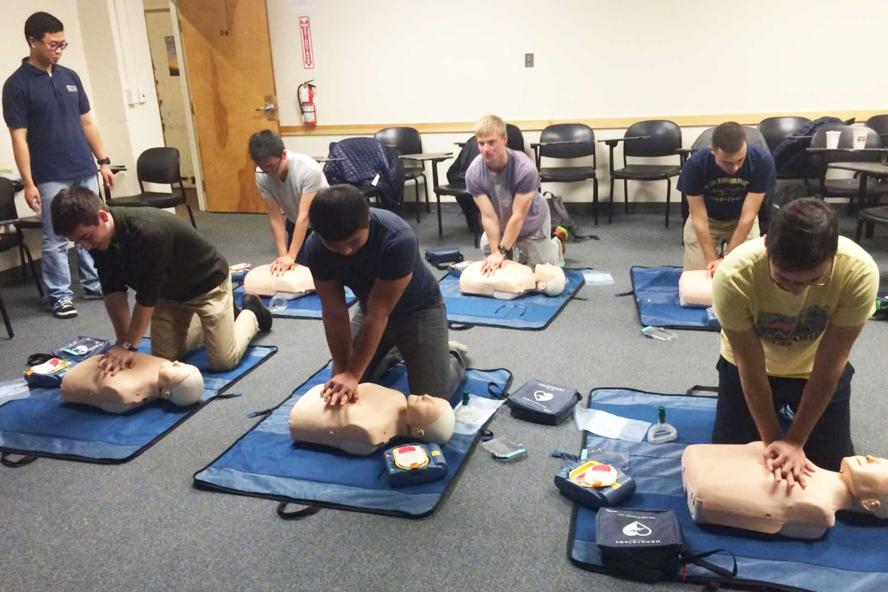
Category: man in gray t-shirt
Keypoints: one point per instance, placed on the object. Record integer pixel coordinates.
(505, 186)
(287, 182)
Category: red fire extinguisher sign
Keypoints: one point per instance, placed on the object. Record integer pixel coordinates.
(308, 61)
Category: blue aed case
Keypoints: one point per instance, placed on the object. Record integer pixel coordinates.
(415, 463)
(594, 484)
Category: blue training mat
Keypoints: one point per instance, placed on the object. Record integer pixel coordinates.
(303, 307)
(850, 557)
(656, 297)
(531, 311)
(265, 462)
(43, 425)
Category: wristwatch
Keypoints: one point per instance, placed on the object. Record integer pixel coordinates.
(127, 346)
(106, 160)
(506, 252)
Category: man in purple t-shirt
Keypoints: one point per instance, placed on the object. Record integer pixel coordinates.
(505, 186)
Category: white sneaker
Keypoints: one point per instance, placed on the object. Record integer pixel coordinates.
(63, 308)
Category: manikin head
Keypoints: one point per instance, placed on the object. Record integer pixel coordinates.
(45, 35)
(490, 133)
(82, 216)
(550, 279)
(268, 152)
(429, 418)
(180, 383)
(340, 216)
(867, 478)
(729, 146)
(802, 241)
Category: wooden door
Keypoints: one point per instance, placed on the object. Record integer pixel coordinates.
(228, 60)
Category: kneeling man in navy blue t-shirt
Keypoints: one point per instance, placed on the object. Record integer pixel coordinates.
(376, 254)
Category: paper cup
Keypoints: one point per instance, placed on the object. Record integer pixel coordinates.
(859, 139)
(832, 139)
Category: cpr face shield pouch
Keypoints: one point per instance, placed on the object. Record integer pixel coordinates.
(442, 257)
(646, 546)
(542, 402)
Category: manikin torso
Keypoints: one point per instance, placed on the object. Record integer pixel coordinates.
(728, 484)
(512, 280)
(695, 288)
(149, 378)
(261, 282)
(378, 415)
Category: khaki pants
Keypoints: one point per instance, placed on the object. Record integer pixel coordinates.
(180, 327)
(720, 231)
(540, 247)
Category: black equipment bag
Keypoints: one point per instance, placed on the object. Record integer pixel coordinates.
(542, 402)
(442, 257)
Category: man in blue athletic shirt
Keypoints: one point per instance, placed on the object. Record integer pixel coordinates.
(376, 254)
(54, 138)
(725, 186)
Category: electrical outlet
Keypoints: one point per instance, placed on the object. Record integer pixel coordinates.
(528, 60)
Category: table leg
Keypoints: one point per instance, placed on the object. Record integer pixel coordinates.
(437, 197)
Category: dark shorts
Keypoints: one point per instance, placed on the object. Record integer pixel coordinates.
(830, 440)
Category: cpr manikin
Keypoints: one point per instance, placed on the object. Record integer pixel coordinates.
(261, 282)
(695, 288)
(512, 280)
(728, 485)
(378, 415)
(149, 378)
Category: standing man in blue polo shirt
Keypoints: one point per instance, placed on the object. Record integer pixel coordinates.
(54, 138)
(725, 186)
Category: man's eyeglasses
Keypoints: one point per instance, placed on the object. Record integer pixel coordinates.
(57, 45)
(786, 284)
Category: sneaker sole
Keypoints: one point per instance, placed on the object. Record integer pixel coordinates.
(70, 314)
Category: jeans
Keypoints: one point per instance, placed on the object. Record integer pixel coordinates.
(829, 442)
(54, 267)
(421, 338)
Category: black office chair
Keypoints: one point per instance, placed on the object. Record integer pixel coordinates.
(568, 140)
(777, 130)
(870, 217)
(158, 165)
(651, 138)
(456, 187)
(879, 123)
(849, 188)
(12, 238)
(406, 140)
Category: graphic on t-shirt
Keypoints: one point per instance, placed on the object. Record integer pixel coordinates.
(725, 190)
(781, 329)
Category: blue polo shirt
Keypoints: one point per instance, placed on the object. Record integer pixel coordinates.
(722, 193)
(49, 107)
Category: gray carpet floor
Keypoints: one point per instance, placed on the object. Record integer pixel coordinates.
(142, 526)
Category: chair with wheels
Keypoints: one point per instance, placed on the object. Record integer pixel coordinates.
(568, 141)
(646, 139)
(158, 165)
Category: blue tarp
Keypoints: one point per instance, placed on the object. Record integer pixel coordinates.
(266, 463)
(656, 296)
(303, 307)
(531, 311)
(43, 425)
(850, 557)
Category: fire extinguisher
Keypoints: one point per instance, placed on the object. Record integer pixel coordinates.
(305, 91)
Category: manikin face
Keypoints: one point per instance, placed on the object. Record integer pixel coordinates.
(430, 418)
(94, 236)
(493, 150)
(729, 162)
(48, 51)
(867, 476)
(349, 245)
